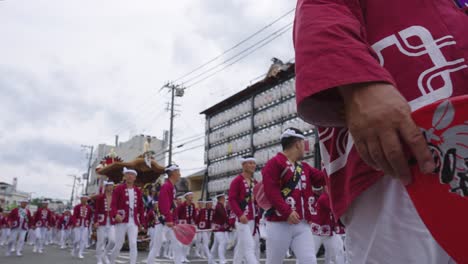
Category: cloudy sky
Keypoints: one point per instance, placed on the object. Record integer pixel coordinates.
(80, 72)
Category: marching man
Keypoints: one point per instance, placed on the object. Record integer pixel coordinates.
(323, 226)
(362, 67)
(42, 219)
(81, 218)
(220, 229)
(166, 207)
(243, 205)
(186, 215)
(104, 223)
(65, 227)
(4, 229)
(203, 221)
(199, 236)
(128, 213)
(19, 220)
(288, 186)
(152, 220)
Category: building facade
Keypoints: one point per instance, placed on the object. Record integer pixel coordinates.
(10, 195)
(250, 123)
(128, 151)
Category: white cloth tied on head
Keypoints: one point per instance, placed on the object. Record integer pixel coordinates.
(172, 168)
(108, 183)
(291, 133)
(189, 193)
(125, 171)
(242, 159)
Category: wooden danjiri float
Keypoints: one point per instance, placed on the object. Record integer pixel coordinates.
(148, 179)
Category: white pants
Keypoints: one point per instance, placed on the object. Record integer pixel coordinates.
(382, 226)
(16, 240)
(81, 236)
(64, 236)
(155, 249)
(150, 233)
(31, 236)
(334, 251)
(203, 242)
(132, 232)
(41, 233)
(245, 247)
(5, 235)
(102, 249)
(220, 243)
(282, 236)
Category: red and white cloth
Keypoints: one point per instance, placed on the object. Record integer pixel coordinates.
(301, 199)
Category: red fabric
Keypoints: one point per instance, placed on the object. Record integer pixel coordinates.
(78, 218)
(323, 223)
(100, 213)
(166, 201)
(14, 219)
(205, 218)
(302, 198)
(120, 204)
(186, 213)
(3, 221)
(63, 225)
(220, 219)
(152, 219)
(237, 194)
(345, 42)
(43, 217)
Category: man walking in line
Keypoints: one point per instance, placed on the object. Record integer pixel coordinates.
(20, 221)
(128, 212)
(220, 229)
(104, 223)
(166, 199)
(288, 186)
(42, 220)
(243, 205)
(81, 219)
(65, 227)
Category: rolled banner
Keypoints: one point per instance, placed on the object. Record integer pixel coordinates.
(441, 198)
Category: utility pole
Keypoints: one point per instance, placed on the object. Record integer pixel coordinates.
(75, 178)
(91, 148)
(176, 91)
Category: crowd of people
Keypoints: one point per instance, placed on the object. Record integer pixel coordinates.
(299, 222)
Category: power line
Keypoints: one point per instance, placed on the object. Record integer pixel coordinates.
(227, 66)
(178, 152)
(235, 46)
(237, 55)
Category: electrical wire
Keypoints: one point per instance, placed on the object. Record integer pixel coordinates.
(237, 55)
(227, 66)
(235, 46)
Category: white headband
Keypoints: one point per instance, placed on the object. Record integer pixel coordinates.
(125, 170)
(108, 183)
(317, 189)
(189, 193)
(291, 133)
(242, 160)
(172, 168)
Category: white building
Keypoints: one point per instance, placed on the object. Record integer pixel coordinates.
(9, 195)
(128, 151)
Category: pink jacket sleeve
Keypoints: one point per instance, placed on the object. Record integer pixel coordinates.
(165, 200)
(271, 181)
(141, 208)
(331, 51)
(234, 198)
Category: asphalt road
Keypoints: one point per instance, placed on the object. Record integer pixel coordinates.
(54, 255)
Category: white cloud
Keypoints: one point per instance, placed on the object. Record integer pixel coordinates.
(78, 72)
